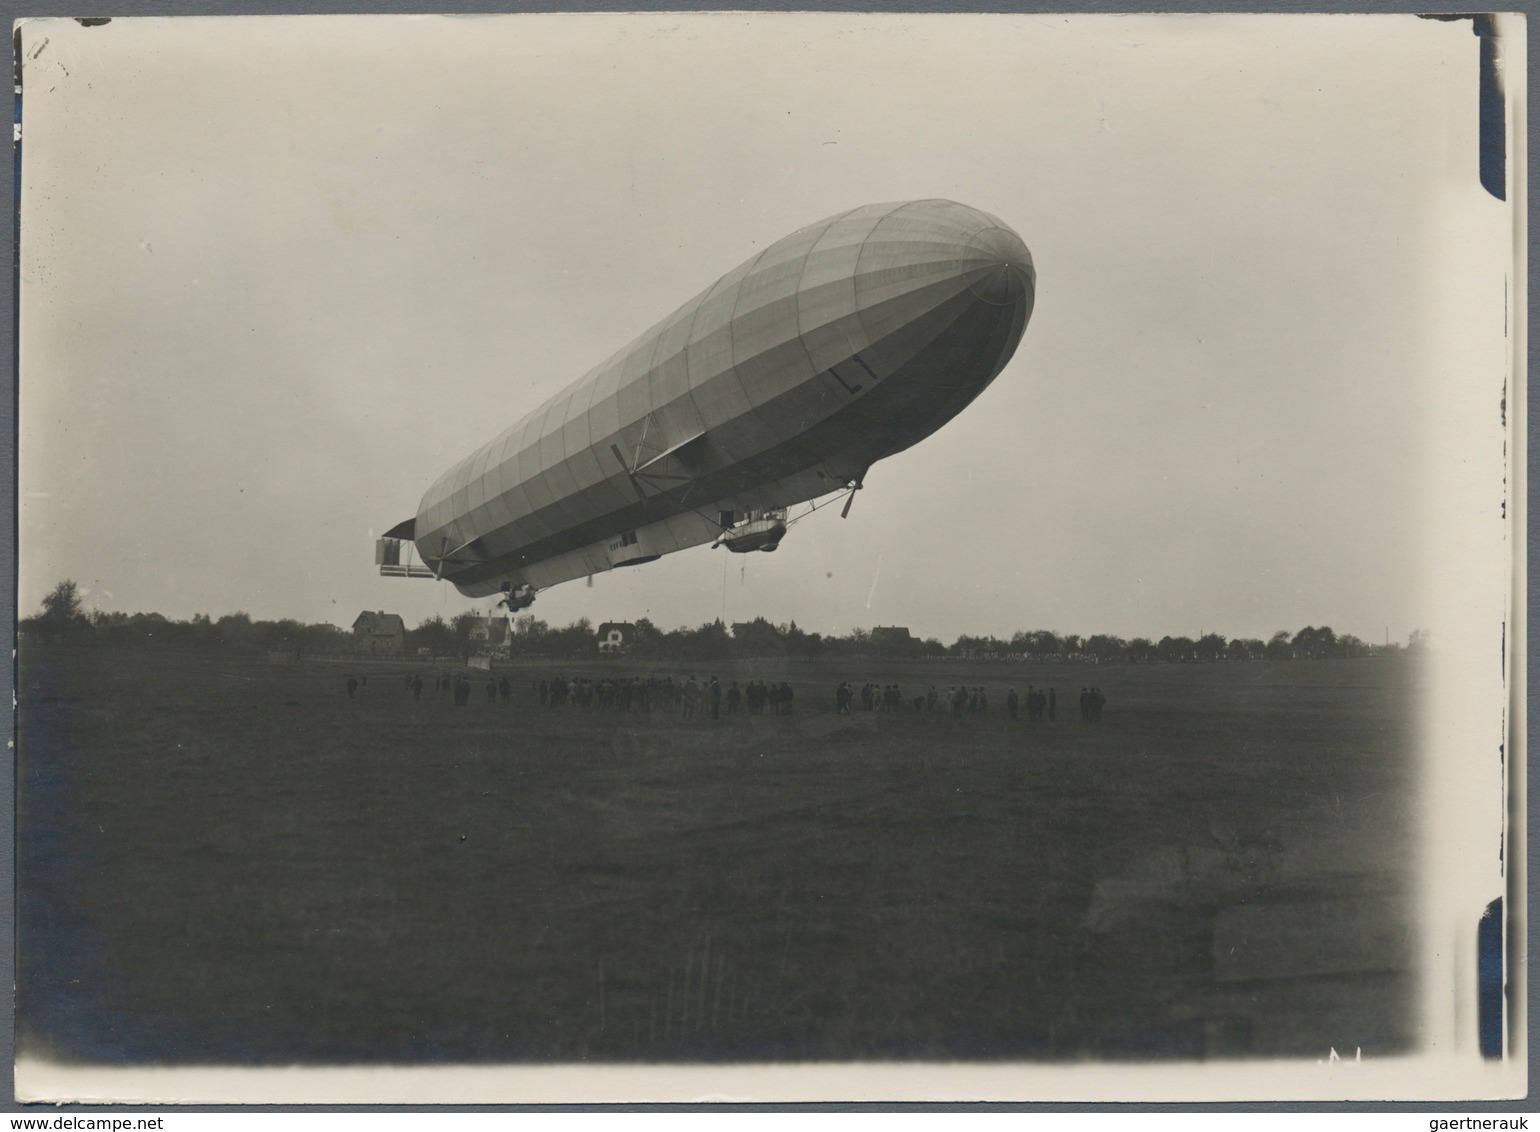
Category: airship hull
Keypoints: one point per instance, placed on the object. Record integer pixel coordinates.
(844, 343)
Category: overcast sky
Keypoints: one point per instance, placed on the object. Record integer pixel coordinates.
(278, 274)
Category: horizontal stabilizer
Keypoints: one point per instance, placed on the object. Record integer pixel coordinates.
(405, 530)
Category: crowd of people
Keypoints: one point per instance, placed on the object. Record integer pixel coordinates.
(689, 697)
(961, 700)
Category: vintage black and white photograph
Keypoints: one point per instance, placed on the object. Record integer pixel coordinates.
(779, 556)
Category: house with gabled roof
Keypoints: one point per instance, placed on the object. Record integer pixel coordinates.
(379, 632)
(616, 636)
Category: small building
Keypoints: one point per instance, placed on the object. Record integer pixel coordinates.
(616, 636)
(379, 632)
(892, 639)
(491, 636)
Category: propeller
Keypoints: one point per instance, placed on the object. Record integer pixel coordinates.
(851, 498)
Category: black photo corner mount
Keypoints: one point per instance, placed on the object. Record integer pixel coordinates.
(1490, 991)
(1492, 119)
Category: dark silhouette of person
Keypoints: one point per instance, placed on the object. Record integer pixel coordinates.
(352, 686)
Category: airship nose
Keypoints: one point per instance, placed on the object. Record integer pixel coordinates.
(1006, 274)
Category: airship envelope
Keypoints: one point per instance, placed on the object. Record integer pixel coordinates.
(843, 343)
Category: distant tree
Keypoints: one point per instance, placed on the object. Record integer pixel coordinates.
(1237, 650)
(234, 630)
(1175, 650)
(323, 638)
(647, 640)
(1106, 648)
(1419, 640)
(63, 601)
(799, 643)
(1041, 643)
(758, 638)
(967, 645)
(529, 627)
(433, 634)
(1350, 646)
(1315, 644)
(1141, 650)
(1278, 646)
(63, 614)
(200, 632)
(1209, 647)
(574, 640)
(712, 641)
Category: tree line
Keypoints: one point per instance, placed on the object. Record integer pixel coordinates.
(63, 617)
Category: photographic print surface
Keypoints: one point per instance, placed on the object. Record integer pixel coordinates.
(933, 557)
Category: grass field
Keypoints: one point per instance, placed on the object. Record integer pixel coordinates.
(227, 860)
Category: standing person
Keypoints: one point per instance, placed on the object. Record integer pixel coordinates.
(1011, 703)
(491, 690)
(352, 686)
(930, 699)
(1085, 705)
(416, 687)
(691, 690)
(983, 701)
(785, 698)
(715, 692)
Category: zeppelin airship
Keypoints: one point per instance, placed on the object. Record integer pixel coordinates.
(781, 384)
